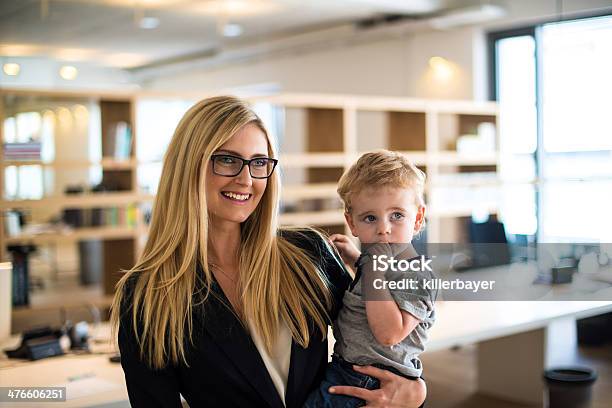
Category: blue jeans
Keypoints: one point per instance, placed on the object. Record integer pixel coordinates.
(339, 372)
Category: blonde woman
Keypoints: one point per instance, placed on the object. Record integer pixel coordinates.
(224, 308)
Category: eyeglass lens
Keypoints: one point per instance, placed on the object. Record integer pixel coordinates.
(231, 166)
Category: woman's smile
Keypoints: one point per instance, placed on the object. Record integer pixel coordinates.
(236, 197)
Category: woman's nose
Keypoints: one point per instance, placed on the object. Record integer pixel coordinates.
(244, 177)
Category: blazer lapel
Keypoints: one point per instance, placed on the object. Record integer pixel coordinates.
(231, 337)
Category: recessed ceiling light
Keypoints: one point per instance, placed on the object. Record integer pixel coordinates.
(442, 68)
(232, 30)
(149, 23)
(68, 72)
(234, 8)
(11, 68)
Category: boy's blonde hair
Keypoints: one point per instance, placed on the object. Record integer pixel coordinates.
(381, 168)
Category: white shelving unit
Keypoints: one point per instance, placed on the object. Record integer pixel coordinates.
(330, 129)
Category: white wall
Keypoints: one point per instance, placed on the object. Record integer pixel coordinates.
(397, 67)
(371, 68)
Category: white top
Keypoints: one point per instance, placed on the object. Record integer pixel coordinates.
(277, 363)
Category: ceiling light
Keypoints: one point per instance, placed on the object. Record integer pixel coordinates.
(232, 30)
(441, 68)
(11, 68)
(148, 23)
(235, 8)
(68, 72)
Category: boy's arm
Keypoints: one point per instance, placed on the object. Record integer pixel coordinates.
(388, 322)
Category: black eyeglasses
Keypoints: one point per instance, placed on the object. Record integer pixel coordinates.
(230, 166)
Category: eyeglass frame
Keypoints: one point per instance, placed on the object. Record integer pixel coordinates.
(245, 162)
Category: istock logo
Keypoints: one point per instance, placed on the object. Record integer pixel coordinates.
(383, 263)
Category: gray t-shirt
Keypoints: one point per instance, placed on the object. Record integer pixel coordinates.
(356, 343)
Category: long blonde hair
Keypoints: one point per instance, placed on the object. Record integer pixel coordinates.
(164, 278)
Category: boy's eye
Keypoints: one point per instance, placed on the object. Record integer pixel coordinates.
(369, 218)
(397, 216)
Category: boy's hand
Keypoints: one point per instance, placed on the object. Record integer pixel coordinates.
(347, 250)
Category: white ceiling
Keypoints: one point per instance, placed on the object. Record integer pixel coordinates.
(107, 32)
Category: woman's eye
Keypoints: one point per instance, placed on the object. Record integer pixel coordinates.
(260, 162)
(397, 216)
(369, 218)
(228, 160)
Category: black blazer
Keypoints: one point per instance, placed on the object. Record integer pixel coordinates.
(224, 367)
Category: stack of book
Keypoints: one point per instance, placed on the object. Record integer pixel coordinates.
(22, 151)
(96, 217)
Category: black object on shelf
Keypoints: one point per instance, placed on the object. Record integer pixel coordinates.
(21, 271)
(569, 387)
(38, 343)
(73, 216)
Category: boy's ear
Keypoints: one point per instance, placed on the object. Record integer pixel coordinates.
(349, 220)
(420, 218)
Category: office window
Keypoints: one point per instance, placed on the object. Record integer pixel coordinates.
(572, 157)
(516, 71)
(156, 122)
(23, 182)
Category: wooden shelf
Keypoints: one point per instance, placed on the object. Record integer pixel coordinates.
(465, 107)
(73, 234)
(82, 201)
(304, 160)
(458, 211)
(379, 103)
(107, 164)
(466, 159)
(328, 217)
(310, 191)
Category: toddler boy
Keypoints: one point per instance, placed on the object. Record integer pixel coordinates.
(377, 324)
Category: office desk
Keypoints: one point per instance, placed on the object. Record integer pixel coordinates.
(91, 379)
(516, 341)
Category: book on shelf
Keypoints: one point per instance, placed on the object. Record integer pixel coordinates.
(101, 217)
(22, 151)
(119, 141)
(131, 214)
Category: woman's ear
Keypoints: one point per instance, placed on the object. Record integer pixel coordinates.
(349, 220)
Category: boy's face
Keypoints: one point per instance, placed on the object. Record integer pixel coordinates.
(385, 214)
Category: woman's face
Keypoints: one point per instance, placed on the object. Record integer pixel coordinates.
(233, 199)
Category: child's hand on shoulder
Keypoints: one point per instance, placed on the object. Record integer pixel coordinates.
(346, 248)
